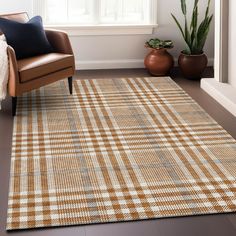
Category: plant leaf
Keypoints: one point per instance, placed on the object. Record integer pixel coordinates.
(179, 26)
(203, 33)
(208, 8)
(187, 34)
(184, 7)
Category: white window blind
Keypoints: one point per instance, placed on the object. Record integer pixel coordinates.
(96, 12)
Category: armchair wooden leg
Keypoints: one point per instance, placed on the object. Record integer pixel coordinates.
(70, 83)
(14, 105)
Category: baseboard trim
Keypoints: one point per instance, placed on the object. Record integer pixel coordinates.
(223, 93)
(109, 64)
(118, 64)
(211, 61)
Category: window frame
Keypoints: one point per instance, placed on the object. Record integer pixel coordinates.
(101, 29)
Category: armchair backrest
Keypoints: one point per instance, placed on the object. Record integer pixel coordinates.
(20, 17)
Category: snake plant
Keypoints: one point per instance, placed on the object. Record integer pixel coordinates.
(195, 34)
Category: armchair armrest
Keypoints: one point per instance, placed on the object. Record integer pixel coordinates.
(59, 41)
(13, 81)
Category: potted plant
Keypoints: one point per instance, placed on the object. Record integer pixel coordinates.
(159, 62)
(193, 61)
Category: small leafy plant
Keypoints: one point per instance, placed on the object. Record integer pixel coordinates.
(195, 35)
(159, 44)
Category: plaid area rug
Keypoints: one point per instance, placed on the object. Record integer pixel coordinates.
(117, 150)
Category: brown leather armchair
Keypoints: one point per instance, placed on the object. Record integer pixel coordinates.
(35, 72)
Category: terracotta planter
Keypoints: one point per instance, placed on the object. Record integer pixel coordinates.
(159, 62)
(192, 66)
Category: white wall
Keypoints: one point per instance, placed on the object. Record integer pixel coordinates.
(232, 40)
(122, 51)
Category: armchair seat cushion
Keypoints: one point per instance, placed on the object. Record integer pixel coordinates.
(39, 66)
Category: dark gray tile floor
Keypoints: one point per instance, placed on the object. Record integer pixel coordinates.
(215, 225)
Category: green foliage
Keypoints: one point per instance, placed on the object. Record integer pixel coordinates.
(158, 43)
(195, 35)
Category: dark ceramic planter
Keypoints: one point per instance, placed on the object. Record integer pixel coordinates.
(192, 66)
(159, 62)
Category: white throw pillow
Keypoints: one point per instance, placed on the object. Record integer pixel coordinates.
(2, 37)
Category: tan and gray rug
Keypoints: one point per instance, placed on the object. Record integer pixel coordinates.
(117, 150)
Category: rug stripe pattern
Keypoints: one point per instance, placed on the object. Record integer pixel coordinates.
(117, 150)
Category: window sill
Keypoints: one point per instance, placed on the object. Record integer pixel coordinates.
(75, 30)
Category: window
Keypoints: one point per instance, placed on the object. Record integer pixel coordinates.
(96, 12)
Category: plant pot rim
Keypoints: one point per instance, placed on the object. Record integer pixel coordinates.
(192, 55)
(158, 48)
